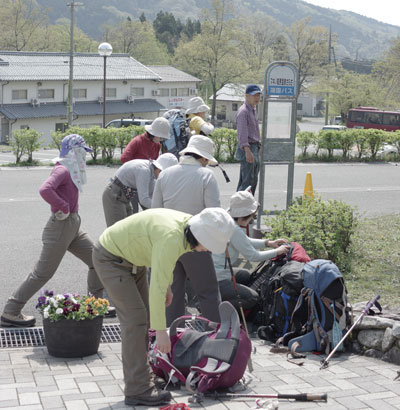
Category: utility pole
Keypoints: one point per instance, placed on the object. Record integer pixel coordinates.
(70, 107)
(329, 67)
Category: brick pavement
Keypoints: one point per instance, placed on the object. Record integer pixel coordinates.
(31, 379)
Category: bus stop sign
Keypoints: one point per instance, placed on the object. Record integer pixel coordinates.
(281, 81)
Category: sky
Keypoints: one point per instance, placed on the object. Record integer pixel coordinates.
(387, 11)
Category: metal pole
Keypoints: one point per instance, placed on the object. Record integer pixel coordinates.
(71, 67)
(104, 92)
(329, 66)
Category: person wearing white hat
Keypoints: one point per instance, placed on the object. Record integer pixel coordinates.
(242, 209)
(155, 238)
(196, 114)
(147, 145)
(135, 177)
(191, 187)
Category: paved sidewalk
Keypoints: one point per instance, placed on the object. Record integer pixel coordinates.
(31, 379)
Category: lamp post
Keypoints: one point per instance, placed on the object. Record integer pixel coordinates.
(105, 50)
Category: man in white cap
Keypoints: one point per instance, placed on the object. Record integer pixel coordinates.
(155, 238)
(191, 187)
(196, 113)
(135, 177)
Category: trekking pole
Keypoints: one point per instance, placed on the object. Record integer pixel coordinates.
(224, 174)
(249, 363)
(372, 302)
(298, 397)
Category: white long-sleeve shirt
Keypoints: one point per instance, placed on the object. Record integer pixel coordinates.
(241, 244)
(187, 187)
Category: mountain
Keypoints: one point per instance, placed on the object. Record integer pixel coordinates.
(358, 37)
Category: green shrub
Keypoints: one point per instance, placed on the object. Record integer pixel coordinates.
(231, 144)
(108, 142)
(329, 140)
(304, 139)
(346, 142)
(218, 138)
(323, 228)
(394, 138)
(360, 141)
(24, 141)
(56, 138)
(374, 140)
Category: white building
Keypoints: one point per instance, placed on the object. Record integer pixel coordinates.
(34, 90)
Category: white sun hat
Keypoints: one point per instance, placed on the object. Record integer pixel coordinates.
(165, 161)
(213, 228)
(197, 104)
(242, 203)
(201, 145)
(159, 128)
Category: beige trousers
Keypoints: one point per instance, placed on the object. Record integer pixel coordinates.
(129, 294)
(115, 204)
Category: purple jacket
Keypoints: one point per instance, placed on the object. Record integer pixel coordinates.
(247, 127)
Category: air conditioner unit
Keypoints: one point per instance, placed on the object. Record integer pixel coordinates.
(130, 99)
(193, 91)
(100, 100)
(34, 102)
(156, 92)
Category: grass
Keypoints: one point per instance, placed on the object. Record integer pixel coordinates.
(376, 262)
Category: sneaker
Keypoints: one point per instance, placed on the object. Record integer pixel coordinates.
(112, 312)
(20, 320)
(151, 397)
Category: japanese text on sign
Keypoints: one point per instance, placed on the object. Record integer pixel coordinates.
(281, 81)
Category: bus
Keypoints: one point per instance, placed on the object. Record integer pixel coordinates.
(370, 117)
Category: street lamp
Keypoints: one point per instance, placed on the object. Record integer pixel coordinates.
(105, 50)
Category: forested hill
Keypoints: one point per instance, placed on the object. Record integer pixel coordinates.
(357, 36)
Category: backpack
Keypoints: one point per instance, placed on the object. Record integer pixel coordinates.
(180, 132)
(322, 314)
(204, 355)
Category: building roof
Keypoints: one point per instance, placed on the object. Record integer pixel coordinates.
(232, 92)
(33, 66)
(172, 74)
(27, 111)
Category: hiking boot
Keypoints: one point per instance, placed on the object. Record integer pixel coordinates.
(151, 397)
(20, 320)
(111, 312)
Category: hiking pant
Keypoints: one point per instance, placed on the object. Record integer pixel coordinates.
(248, 296)
(115, 205)
(58, 237)
(248, 172)
(199, 268)
(130, 295)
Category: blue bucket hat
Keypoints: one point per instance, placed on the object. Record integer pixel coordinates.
(253, 89)
(72, 141)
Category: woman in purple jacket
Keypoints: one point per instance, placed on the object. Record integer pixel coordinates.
(62, 232)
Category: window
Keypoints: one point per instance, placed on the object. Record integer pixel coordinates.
(46, 93)
(356, 116)
(24, 127)
(391, 119)
(62, 126)
(374, 118)
(183, 92)
(164, 92)
(19, 94)
(221, 112)
(235, 106)
(299, 106)
(193, 91)
(137, 91)
(79, 93)
(111, 92)
(174, 92)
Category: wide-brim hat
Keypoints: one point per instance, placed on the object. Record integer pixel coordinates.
(213, 228)
(73, 141)
(201, 145)
(197, 104)
(241, 204)
(165, 161)
(159, 128)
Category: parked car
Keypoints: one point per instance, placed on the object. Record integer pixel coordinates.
(387, 149)
(334, 127)
(127, 122)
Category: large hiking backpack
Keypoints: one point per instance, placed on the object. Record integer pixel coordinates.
(204, 355)
(180, 132)
(322, 314)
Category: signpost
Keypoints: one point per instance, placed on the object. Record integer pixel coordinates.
(278, 137)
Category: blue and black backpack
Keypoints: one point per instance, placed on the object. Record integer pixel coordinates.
(180, 132)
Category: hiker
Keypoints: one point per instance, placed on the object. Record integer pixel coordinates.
(154, 238)
(135, 177)
(196, 114)
(191, 187)
(242, 209)
(62, 232)
(248, 136)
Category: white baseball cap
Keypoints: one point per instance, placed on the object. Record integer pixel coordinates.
(159, 128)
(165, 161)
(242, 203)
(212, 227)
(201, 145)
(197, 104)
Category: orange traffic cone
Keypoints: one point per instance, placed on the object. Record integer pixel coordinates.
(308, 187)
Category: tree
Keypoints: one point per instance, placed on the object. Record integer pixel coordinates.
(214, 55)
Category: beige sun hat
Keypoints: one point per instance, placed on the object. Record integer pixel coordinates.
(159, 128)
(213, 228)
(197, 104)
(201, 145)
(165, 161)
(242, 203)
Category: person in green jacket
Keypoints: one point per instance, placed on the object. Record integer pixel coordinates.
(153, 238)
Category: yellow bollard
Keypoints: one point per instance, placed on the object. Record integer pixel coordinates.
(308, 187)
